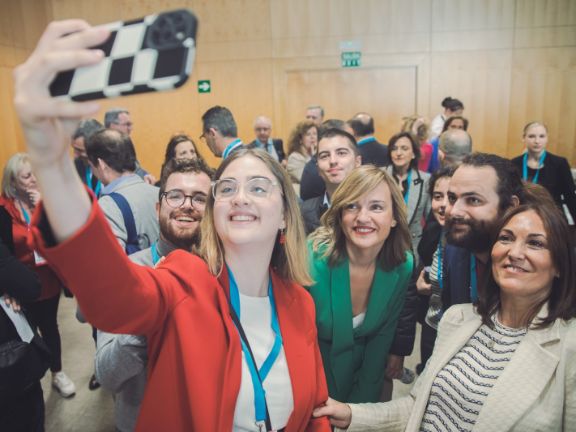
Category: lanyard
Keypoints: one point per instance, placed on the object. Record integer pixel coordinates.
(408, 181)
(154, 252)
(525, 167)
(473, 280)
(258, 375)
(366, 141)
(231, 147)
(24, 213)
(89, 176)
(439, 267)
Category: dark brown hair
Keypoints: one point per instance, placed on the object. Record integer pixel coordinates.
(562, 297)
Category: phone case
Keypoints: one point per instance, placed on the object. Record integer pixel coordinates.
(154, 53)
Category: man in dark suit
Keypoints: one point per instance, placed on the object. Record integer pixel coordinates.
(263, 131)
(371, 150)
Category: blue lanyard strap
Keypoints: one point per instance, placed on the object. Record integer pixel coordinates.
(154, 252)
(439, 268)
(408, 181)
(525, 167)
(89, 176)
(473, 280)
(258, 375)
(231, 147)
(24, 213)
(366, 141)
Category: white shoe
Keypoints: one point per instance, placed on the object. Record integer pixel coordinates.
(63, 384)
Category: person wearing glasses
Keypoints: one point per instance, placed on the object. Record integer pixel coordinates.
(232, 339)
(121, 359)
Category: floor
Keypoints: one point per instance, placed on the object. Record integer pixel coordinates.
(92, 411)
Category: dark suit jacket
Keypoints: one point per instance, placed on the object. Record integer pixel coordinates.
(311, 184)
(374, 153)
(456, 276)
(277, 145)
(312, 210)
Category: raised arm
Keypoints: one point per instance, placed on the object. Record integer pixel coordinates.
(48, 123)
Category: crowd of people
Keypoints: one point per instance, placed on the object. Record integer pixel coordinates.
(281, 291)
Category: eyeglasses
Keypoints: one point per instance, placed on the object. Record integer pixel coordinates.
(257, 187)
(176, 198)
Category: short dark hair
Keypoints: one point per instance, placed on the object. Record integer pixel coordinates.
(334, 132)
(331, 124)
(195, 166)
(362, 124)
(509, 180)
(174, 141)
(413, 142)
(86, 128)
(114, 148)
(562, 297)
(221, 119)
(449, 121)
(111, 116)
(452, 104)
(447, 171)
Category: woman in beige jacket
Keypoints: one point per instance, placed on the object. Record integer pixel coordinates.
(507, 363)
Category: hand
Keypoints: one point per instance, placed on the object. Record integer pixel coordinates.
(13, 303)
(394, 366)
(34, 197)
(49, 122)
(150, 179)
(340, 414)
(422, 286)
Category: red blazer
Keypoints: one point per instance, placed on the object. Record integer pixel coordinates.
(194, 365)
(50, 283)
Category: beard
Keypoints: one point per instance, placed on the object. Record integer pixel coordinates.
(478, 236)
(181, 238)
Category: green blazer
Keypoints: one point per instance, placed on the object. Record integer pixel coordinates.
(355, 359)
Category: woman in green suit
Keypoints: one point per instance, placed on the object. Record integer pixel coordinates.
(361, 261)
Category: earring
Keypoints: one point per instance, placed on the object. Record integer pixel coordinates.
(282, 238)
(393, 224)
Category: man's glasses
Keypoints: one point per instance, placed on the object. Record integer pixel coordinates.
(257, 187)
(176, 198)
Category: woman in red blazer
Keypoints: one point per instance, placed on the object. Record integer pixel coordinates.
(205, 320)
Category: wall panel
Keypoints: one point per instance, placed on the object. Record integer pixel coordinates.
(510, 61)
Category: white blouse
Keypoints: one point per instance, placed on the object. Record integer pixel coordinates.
(255, 317)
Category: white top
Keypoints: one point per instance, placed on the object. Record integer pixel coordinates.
(358, 320)
(462, 386)
(255, 317)
(436, 125)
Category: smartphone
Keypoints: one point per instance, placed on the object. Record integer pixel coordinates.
(427, 274)
(153, 53)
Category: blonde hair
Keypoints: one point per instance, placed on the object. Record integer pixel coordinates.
(290, 259)
(14, 164)
(295, 142)
(359, 182)
(417, 126)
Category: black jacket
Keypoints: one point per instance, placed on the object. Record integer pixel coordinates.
(278, 145)
(312, 210)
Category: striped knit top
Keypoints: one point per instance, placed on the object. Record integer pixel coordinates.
(462, 386)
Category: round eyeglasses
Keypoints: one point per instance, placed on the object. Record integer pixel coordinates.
(257, 187)
(176, 198)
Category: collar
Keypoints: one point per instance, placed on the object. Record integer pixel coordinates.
(164, 247)
(326, 200)
(117, 183)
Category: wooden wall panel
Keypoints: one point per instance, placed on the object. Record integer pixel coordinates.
(508, 60)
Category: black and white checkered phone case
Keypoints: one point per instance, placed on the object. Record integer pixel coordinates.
(154, 53)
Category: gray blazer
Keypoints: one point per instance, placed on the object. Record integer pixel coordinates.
(536, 391)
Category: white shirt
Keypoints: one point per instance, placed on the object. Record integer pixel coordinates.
(255, 317)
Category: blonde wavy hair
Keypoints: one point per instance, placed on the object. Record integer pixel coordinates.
(289, 260)
(11, 169)
(330, 234)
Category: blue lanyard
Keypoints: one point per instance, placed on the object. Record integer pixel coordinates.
(25, 213)
(231, 147)
(366, 141)
(154, 252)
(439, 268)
(89, 176)
(525, 167)
(473, 280)
(408, 181)
(258, 376)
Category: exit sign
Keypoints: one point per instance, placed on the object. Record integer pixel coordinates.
(204, 86)
(351, 59)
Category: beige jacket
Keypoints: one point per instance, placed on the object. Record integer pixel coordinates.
(536, 391)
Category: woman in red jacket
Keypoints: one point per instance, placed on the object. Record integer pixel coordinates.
(231, 341)
(20, 196)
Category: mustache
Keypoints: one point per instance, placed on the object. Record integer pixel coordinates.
(457, 220)
(186, 212)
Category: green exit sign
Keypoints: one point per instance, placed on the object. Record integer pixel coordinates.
(204, 86)
(351, 59)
